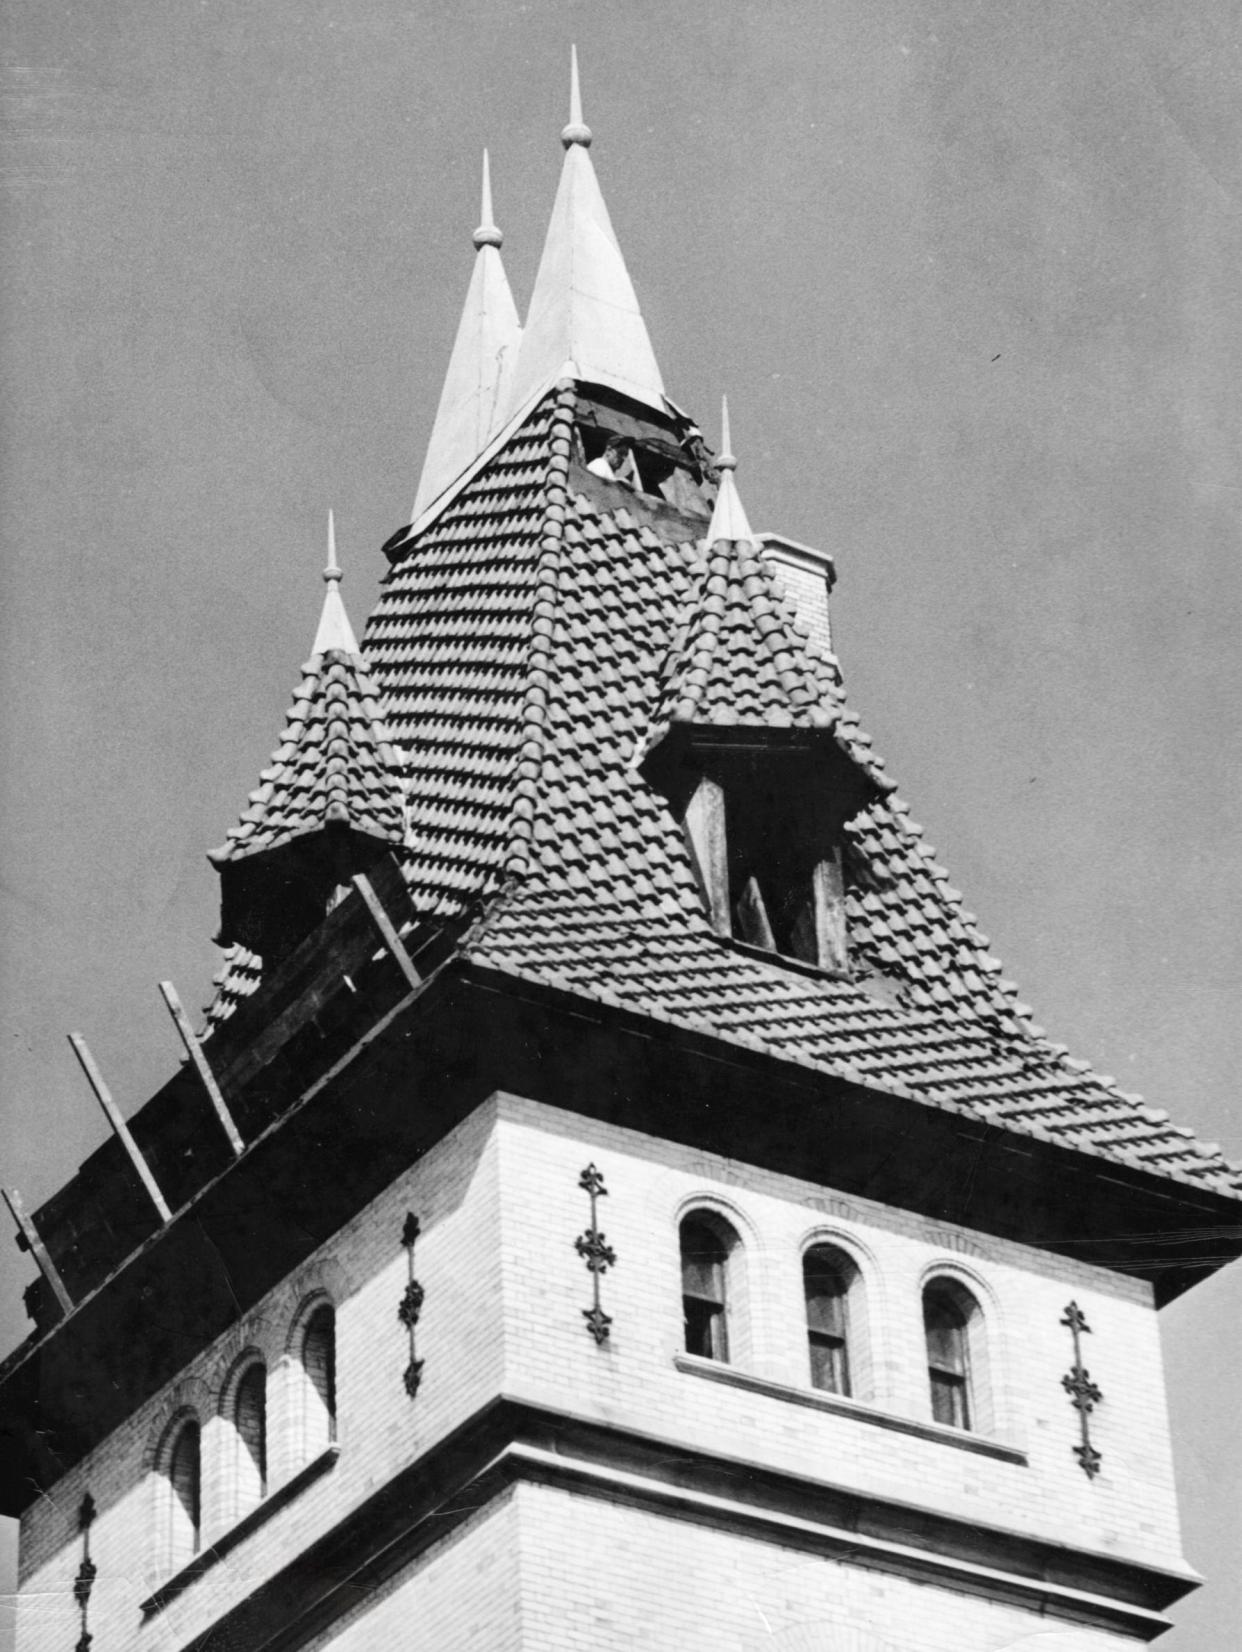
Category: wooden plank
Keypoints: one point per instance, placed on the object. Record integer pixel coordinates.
(387, 931)
(830, 931)
(201, 1066)
(37, 1248)
(113, 1115)
(705, 832)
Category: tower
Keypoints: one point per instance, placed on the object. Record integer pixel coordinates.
(618, 1197)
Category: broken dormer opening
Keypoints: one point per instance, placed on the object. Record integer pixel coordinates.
(663, 459)
(766, 833)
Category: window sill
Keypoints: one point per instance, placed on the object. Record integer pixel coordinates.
(786, 960)
(228, 1541)
(816, 1400)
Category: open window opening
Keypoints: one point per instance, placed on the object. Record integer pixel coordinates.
(249, 1418)
(318, 1386)
(950, 1315)
(766, 835)
(181, 1514)
(828, 1277)
(707, 1247)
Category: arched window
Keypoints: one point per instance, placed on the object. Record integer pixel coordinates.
(318, 1382)
(181, 1496)
(706, 1243)
(250, 1425)
(827, 1276)
(948, 1313)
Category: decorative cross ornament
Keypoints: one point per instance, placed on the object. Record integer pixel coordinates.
(598, 1255)
(411, 1304)
(85, 1580)
(1084, 1394)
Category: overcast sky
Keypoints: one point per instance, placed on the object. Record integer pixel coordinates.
(968, 271)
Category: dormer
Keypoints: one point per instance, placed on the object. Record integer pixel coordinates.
(757, 753)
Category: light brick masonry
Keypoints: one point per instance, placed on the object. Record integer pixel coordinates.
(600, 1554)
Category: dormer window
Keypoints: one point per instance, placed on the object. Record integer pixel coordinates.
(767, 847)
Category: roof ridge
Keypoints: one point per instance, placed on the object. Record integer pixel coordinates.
(532, 745)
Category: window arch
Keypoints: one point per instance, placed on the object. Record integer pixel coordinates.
(951, 1325)
(828, 1280)
(708, 1280)
(248, 1414)
(180, 1495)
(318, 1384)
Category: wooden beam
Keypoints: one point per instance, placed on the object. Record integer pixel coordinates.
(705, 832)
(832, 942)
(386, 929)
(202, 1066)
(113, 1115)
(30, 1233)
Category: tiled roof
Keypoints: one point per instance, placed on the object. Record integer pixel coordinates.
(529, 643)
(742, 658)
(335, 765)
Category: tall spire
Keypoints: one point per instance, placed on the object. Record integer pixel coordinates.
(584, 321)
(475, 396)
(334, 631)
(728, 517)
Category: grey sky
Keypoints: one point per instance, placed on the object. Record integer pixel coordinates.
(968, 272)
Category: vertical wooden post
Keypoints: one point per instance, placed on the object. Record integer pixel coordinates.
(37, 1248)
(113, 1115)
(830, 931)
(705, 832)
(201, 1066)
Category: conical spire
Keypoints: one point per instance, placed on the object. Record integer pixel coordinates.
(334, 631)
(584, 321)
(336, 766)
(476, 388)
(728, 518)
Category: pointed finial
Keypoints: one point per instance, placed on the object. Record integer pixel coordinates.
(725, 459)
(332, 573)
(487, 235)
(577, 131)
(334, 630)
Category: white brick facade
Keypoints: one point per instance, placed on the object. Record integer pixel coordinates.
(541, 1566)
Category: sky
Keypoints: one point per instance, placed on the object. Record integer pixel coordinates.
(967, 270)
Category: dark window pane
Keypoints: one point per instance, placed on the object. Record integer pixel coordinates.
(184, 1473)
(944, 1322)
(826, 1288)
(702, 1262)
(946, 1334)
(949, 1405)
(251, 1417)
(703, 1276)
(829, 1370)
(705, 1329)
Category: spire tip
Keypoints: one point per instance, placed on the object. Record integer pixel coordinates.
(577, 132)
(487, 235)
(725, 459)
(332, 573)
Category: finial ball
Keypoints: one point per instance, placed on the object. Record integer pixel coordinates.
(577, 132)
(726, 461)
(487, 235)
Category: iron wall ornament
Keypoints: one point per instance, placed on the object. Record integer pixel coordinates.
(596, 1253)
(85, 1580)
(1084, 1394)
(411, 1304)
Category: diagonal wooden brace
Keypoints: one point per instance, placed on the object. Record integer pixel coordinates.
(387, 931)
(113, 1115)
(30, 1233)
(202, 1066)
